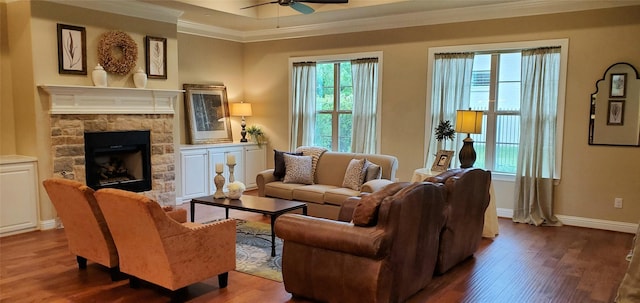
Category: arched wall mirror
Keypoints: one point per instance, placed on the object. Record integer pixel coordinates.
(615, 107)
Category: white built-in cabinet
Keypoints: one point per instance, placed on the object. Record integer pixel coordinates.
(198, 166)
(18, 194)
(255, 161)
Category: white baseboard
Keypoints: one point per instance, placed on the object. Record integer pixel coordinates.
(583, 222)
(48, 224)
(505, 212)
(599, 224)
(180, 201)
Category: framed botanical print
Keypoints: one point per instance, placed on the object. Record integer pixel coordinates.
(615, 112)
(207, 114)
(156, 57)
(618, 85)
(72, 49)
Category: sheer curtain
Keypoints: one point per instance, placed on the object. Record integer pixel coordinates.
(303, 116)
(450, 92)
(364, 74)
(536, 156)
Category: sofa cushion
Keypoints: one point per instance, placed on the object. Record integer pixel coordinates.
(279, 189)
(311, 193)
(337, 196)
(278, 159)
(372, 171)
(298, 169)
(355, 174)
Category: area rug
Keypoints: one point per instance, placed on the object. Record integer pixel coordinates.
(253, 250)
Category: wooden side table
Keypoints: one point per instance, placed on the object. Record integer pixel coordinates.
(490, 229)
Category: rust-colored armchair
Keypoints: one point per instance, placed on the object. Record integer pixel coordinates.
(467, 200)
(84, 225)
(387, 254)
(157, 249)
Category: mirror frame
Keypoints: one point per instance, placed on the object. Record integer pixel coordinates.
(626, 94)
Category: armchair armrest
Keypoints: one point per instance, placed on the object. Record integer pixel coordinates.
(212, 241)
(370, 242)
(373, 186)
(180, 215)
(263, 178)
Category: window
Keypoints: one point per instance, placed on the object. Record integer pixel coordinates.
(498, 75)
(335, 102)
(495, 87)
(334, 107)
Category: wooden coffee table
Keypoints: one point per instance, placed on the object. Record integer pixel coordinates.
(266, 206)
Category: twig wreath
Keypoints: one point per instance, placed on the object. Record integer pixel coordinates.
(117, 52)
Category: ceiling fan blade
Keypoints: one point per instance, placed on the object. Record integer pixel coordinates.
(255, 5)
(302, 8)
(324, 1)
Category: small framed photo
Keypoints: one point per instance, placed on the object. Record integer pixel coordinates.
(442, 161)
(618, 85)
(72, 49)
(207, 113)
(615, 112)
(155, 55)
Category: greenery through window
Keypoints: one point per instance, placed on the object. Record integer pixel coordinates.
(334, 106)
(496, 77)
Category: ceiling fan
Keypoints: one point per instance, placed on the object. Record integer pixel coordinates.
(298, 5)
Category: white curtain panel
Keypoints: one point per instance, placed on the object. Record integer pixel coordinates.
(450, 91)
(364, 74)
(533, 201)
(304, 104)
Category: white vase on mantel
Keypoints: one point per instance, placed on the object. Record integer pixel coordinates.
(140, 78)
(99, 76)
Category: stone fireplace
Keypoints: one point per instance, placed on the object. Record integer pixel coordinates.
(77, 111)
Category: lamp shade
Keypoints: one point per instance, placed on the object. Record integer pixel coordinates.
(241, 109)
(469, 121)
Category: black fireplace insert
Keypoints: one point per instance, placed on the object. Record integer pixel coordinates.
(119, 159)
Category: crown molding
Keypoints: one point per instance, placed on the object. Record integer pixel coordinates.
(128, 8)
(486, 12)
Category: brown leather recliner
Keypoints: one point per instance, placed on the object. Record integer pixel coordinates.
(389, 261)
(467, 199)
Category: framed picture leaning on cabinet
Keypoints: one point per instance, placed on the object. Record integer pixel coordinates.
(207, 114)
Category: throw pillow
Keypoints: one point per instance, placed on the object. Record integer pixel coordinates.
(315, 152)
(366, 211)
(298, 169)
(373, 171)
(278, 159)
(354, 175)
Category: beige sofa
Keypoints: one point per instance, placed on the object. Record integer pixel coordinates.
(326, 195)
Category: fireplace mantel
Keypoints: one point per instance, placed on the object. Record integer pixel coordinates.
(70, 99)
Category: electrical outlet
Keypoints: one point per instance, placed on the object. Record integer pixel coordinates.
(617, 203)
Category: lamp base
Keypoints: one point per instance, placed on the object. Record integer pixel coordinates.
(243, 132)
(467, 154)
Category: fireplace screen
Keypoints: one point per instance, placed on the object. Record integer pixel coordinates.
(118, 160)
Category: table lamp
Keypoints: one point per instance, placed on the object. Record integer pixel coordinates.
(470, 122)
(241, 110)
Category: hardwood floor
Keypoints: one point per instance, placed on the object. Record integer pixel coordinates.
(523, 264)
